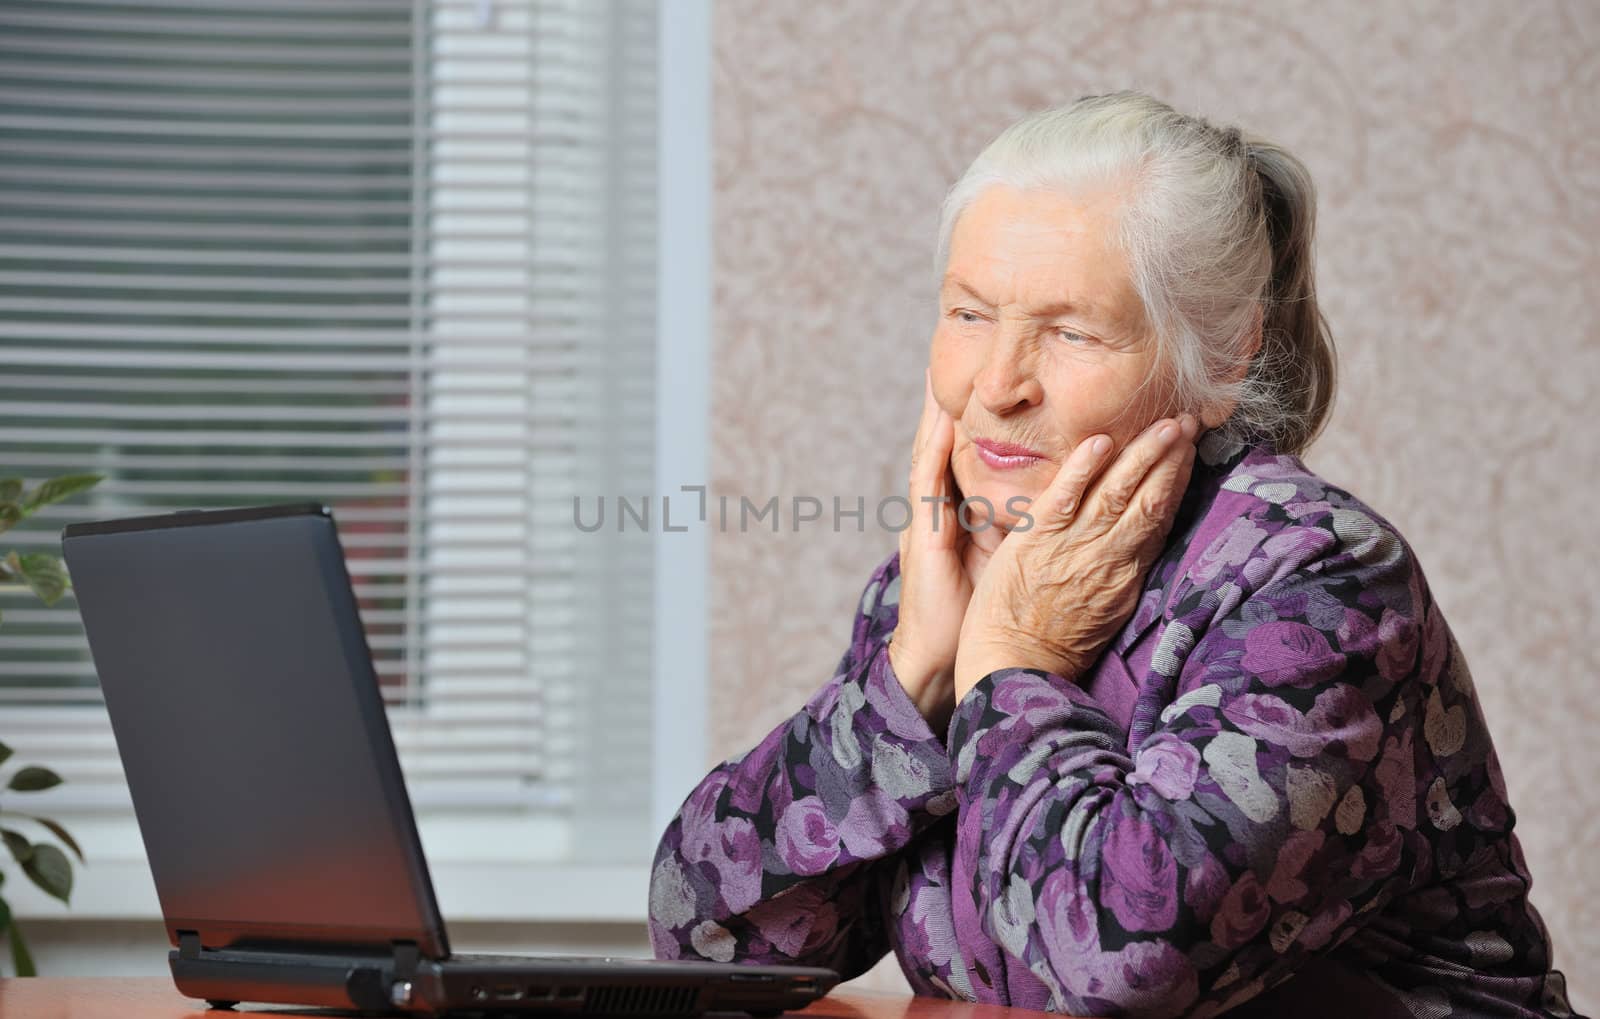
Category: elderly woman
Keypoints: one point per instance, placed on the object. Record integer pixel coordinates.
(1184, 728)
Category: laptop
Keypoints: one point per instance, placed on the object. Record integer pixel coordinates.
(264, 777)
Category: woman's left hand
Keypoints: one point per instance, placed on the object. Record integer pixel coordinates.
(1054, 595)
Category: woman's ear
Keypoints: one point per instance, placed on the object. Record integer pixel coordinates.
(1215, 414)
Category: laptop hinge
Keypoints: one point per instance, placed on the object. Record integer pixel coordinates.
(188, 944)
(406, 957)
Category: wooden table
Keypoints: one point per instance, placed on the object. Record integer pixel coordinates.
(156, 998)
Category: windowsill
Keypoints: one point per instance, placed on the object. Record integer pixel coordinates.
(468, 891)
(474, 876)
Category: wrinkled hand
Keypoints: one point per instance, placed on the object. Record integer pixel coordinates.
(1054, 595)
(940, 561)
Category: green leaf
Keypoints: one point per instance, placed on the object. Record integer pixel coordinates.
(59, 832)
(41, 571)
(56, 489)
(5, 916)
(10, 489)
(20, 959)
(19, 845)
(32, 779)
(5, 753)
(10, 515)
(50, 870)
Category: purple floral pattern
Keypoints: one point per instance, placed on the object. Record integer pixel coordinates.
(1303, 795)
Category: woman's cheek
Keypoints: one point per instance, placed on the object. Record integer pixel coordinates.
(952, 376)
(952, 396)
(1016, 505)
(964, 468)
(1003, 501)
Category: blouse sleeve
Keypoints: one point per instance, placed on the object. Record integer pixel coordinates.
(1257, 824)
(776, 855)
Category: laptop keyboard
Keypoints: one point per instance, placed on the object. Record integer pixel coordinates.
(570, 960)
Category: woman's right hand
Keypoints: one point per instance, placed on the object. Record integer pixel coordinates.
(937, 560)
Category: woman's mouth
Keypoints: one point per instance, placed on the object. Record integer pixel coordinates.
(1005, 456)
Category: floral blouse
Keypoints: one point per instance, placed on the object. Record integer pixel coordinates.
(1275, 790)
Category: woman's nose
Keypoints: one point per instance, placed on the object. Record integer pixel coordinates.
(1007, 378)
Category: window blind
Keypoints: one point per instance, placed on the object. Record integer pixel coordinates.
(394, 256)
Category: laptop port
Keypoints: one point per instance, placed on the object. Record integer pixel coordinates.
(537, 993)
(569, 994)
(507, 993)
(480, 994)
(803, 984)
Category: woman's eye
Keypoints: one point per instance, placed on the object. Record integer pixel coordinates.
(964, 316)
(1076, 339)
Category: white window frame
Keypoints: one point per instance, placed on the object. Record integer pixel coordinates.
(474, 877)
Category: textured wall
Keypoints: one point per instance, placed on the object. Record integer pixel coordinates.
(1455, 145)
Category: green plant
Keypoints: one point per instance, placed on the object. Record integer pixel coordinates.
(44, 863)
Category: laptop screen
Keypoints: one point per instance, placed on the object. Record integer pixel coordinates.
(252, 730)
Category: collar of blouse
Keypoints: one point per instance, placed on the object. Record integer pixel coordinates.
(1216, 456)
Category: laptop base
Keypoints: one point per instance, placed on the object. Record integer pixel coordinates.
(402, 982)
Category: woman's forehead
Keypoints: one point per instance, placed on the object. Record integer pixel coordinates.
(1046, 252)
(1045, 255)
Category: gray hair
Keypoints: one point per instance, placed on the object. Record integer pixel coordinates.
(1217, 228)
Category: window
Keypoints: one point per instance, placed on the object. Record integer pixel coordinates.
(397, 257)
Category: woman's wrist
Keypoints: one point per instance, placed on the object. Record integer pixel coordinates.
(929, 689)
(975, 661)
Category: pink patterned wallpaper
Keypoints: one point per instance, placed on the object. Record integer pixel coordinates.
(1456, 146)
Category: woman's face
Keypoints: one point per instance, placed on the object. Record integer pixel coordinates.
(1041, 342)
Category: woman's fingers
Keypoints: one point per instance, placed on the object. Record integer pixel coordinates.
(1114, 492)
(1153, 504)
(933, 508)
(934, 587)
(914, 478)
(924, 423)
(1064, 497)
(929, 487)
